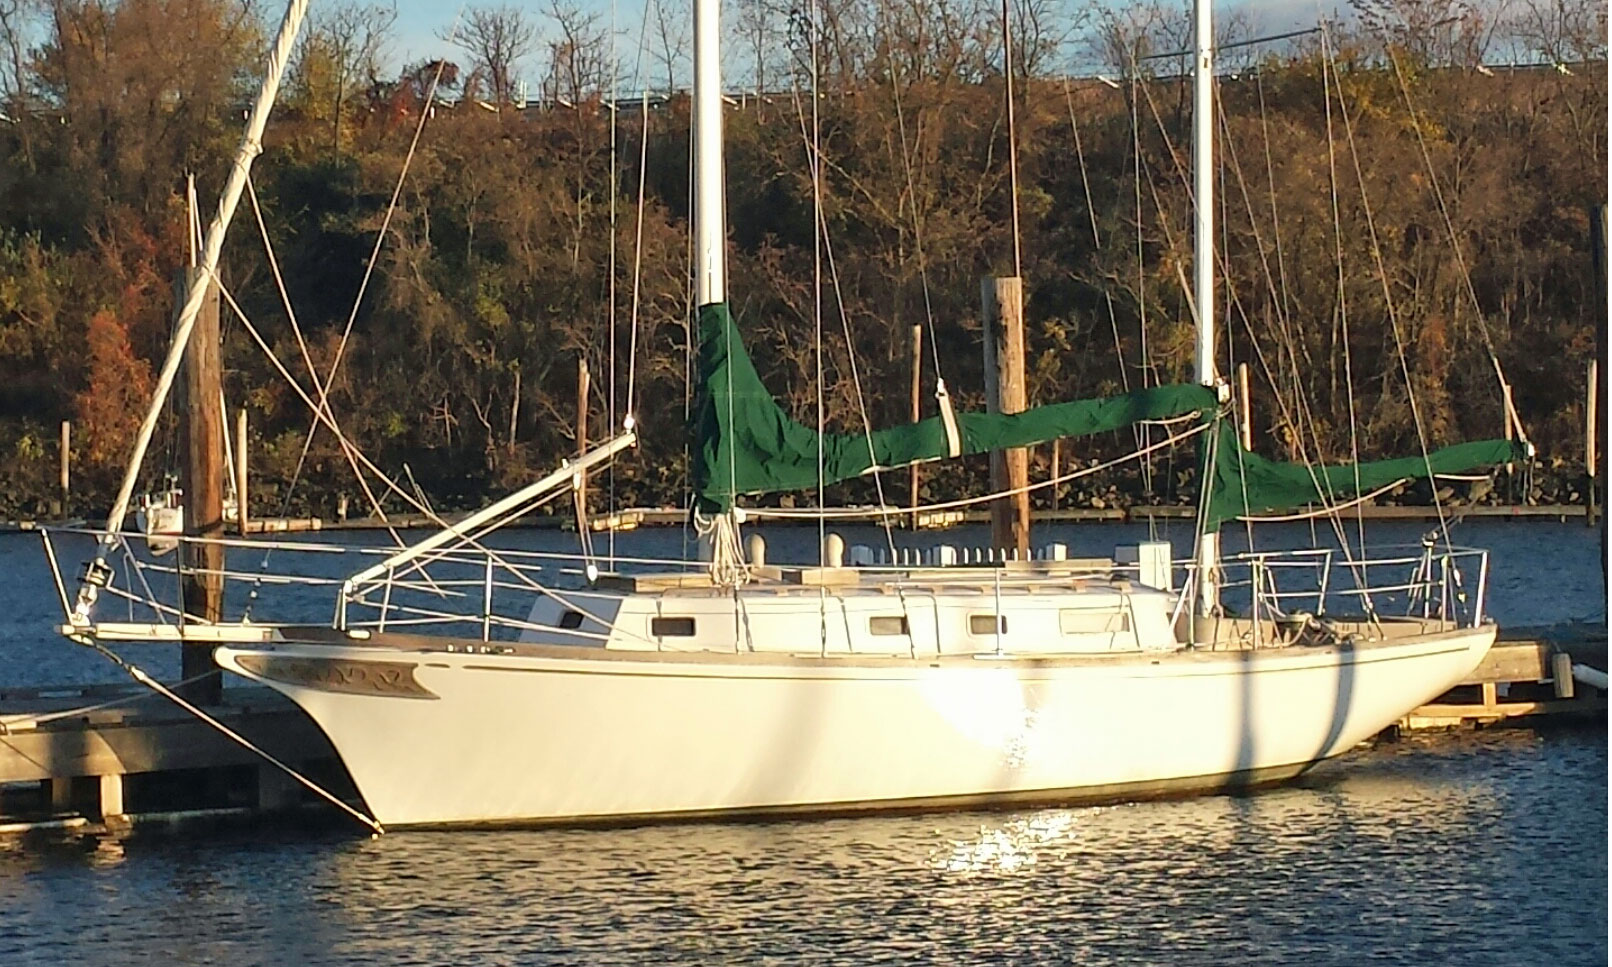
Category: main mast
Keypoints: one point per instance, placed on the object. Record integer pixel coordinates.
(720, 545)
(710, 216)
(1203, 257)
(251, 146)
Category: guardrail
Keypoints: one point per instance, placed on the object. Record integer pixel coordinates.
(489, 592)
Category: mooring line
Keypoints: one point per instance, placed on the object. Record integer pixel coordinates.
(140, 676)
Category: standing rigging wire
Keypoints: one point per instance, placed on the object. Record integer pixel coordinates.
(322, 409)
(1393, 314)
(1301, 416)
(1285, 307)
(610, 299)
(323, 388)
(638, 230)
(1224, 265)
(875, 470)
(1327, 82)
(1227, 287)
(1510, 412)
(689, 337)
(1140, 431)
(816, 168)
(912, 207)
(1141, 269)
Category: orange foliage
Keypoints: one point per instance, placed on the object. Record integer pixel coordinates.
(110, 408)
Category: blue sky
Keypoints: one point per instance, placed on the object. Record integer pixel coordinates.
(420, 22)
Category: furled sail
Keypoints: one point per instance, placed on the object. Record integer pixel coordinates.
(1246, 484)
(744, 443)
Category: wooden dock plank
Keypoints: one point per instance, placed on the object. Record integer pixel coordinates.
(157, 742)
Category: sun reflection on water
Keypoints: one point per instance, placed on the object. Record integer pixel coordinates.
(1007, 847)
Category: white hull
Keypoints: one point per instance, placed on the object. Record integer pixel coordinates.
(578, 733)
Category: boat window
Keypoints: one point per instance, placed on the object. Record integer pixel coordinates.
(1080, 621)
(571, 619)
(987, 624)
(671, 627)
(887, 625)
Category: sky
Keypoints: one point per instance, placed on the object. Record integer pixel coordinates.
(421, 23)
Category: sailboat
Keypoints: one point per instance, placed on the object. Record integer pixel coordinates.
(735, 687)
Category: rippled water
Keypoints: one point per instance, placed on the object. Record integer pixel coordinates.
(1477, 848)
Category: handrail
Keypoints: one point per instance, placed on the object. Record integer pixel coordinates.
(530, 492)
(470, 585)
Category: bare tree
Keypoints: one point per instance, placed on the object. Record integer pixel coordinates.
(1431, 32)
(497, 38)
(1562, 31)
(14, 78)
(579, 55)
(671, 39)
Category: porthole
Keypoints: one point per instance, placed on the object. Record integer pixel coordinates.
(671, 627)
(987, 624)
(887, 625)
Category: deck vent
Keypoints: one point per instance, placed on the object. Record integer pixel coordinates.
(671, 627)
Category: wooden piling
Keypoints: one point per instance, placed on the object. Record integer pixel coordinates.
(1002, 301)
(240, 470)
(917, 414)
(111, 798)
(1057, 471)
(60, 789)
(1561, 674)
(66, 458)
(1591, 397)
(582, 440)
(1245, 416)
(203, 482)
(1598, 254)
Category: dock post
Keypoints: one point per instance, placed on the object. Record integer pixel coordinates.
(1591, 504)
(1002, 299)
(60, 789)
(1245, 418)
(917, 413)
(111, 799)
(1561, 674)
(203, 434)
(1509, 414)
(1057, 471)
(66, 463)
(240, 470)
(582, 441)
(1598, 309)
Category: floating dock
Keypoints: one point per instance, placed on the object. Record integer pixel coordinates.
(109, 757)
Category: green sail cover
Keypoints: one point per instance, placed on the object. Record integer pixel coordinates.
(1245, 484)
(745, 444)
